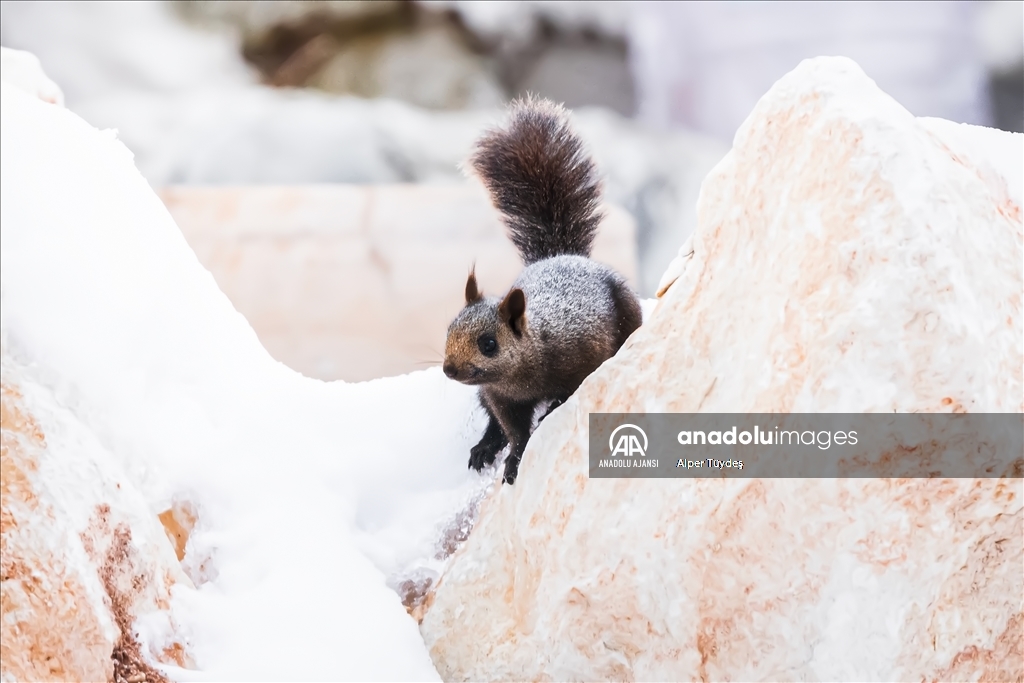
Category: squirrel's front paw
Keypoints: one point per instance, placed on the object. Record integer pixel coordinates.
(482, 455)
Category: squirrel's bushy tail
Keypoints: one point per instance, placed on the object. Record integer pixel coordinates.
(541, 179)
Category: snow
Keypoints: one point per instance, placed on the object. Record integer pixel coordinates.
(24, 70)
(315, 499)
(298, 483)
(94, 49)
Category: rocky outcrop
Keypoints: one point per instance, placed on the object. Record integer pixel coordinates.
(848, 258)
(82, 556)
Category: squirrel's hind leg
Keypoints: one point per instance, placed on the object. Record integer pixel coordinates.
(516, 452)
(516, 420)
(493, 440)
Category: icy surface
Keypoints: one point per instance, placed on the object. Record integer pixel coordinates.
(298, 484)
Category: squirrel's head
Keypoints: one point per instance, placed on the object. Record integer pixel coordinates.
(484, 339)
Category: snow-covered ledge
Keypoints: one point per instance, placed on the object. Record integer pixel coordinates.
(848, 258)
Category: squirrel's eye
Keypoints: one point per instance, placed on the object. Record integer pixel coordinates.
(488, 344)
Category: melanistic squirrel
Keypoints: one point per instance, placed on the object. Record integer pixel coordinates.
(565, 314)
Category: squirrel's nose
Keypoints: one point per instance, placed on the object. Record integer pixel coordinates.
(450, 370)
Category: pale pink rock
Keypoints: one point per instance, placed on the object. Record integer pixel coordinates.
(355, 282)
(83, 557)
(847, 259)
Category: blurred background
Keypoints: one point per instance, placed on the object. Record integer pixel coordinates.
(310, 151)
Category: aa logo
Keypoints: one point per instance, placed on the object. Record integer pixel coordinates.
(628, 443)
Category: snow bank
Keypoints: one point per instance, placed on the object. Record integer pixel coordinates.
(23, 70)
(294, 483)
(848, 258)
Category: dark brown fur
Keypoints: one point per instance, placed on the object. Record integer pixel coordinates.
(542, 181)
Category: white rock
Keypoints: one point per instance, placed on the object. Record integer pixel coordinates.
(846, 259)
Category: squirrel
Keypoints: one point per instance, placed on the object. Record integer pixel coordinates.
(565, 314)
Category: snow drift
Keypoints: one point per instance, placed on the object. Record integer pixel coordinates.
(848, 258)
(296, 506)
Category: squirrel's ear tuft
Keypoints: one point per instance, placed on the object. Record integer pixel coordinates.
(473, 294)
(512, 310)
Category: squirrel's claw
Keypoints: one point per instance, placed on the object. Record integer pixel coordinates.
(483, 454)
